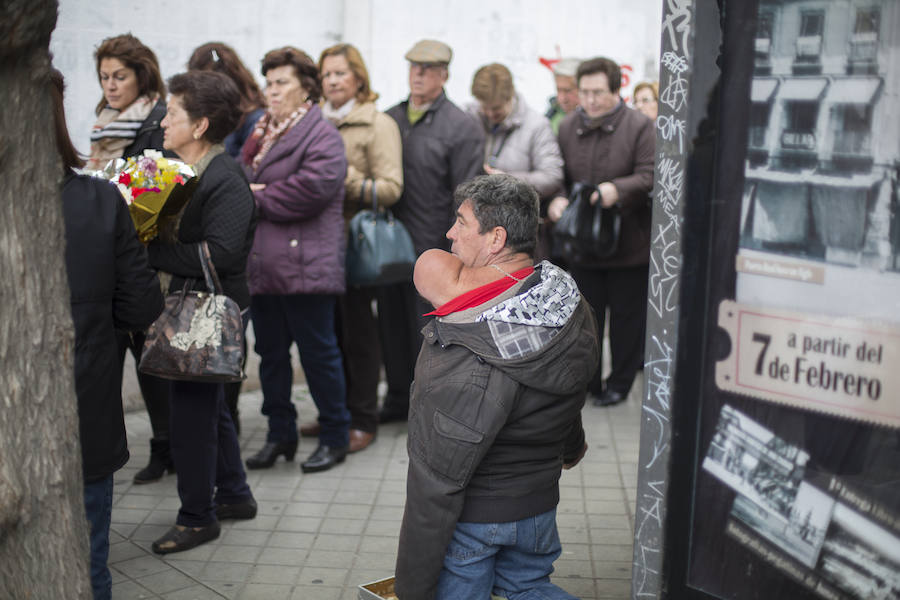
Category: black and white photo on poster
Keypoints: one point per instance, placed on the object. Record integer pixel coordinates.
(861, 557)
(820, 225)
(755, 463)
(801, 533)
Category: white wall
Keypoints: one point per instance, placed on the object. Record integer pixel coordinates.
(514, 32)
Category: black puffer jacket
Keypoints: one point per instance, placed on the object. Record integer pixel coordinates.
(440, 151)
(150, 135)
(112, 287)
(221, 212)
(495, 411)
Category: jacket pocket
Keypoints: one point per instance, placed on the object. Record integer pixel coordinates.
(453, 448)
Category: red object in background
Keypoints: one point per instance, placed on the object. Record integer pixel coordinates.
(125, 178)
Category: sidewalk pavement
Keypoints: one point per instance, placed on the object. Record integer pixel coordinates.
(319, 536)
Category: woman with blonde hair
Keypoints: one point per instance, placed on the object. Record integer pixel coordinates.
(374, 166)
(646, 98)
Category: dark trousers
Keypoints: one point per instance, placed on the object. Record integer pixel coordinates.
(400, 322)
(98, 507)
(357, 330)
(206, 452)
(308, 321)
(624, 292)
(154, 389)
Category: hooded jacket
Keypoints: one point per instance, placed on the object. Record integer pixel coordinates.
(495, 412)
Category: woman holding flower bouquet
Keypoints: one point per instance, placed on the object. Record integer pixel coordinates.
(212, 484)
(128, 122)
(296, 162)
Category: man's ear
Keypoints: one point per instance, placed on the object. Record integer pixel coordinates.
(498, 240)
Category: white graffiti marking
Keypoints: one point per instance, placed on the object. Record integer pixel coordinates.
(670, 128)
(677, 20)
(674, 63)
(665, 267)
(644, 573)
(669, 177)
(675, 93)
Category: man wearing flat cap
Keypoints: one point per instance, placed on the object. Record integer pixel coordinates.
(442, 147)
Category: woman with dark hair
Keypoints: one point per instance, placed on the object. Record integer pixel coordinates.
(112, 287)
(212, 484)
(128, 122)
(133, 102)
(374, 166)
(296, 163)
(219, 57)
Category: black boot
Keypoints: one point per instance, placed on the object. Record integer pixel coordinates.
(160, 462)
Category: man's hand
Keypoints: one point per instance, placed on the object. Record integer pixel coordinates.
(577, 459)
(556, 208)
(257, 187)
(609, 193)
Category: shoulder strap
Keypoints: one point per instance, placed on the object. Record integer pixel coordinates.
(209, 270)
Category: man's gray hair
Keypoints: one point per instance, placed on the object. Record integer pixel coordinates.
(503, 201)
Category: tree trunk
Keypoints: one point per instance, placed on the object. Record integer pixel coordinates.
(44, 551)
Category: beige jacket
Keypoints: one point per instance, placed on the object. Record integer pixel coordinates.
(372, 143)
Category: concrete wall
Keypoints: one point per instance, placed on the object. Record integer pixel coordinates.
(514, 32)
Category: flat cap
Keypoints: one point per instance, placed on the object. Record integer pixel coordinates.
(566, 67)
(430, 51)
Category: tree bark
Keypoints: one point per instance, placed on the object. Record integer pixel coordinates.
(44, 551)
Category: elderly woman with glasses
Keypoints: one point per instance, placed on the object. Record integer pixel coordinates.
(296, 164)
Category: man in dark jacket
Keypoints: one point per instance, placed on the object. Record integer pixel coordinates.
(112, 289)
(442, 147)
(610, 147)
(496, 405)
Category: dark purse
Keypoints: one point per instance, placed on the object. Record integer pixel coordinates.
(379, 249)
(586, 234)
(199, 335)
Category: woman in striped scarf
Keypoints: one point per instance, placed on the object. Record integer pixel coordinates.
(128, 122)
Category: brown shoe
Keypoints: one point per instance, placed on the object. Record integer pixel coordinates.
(360, 440)
(310, 429)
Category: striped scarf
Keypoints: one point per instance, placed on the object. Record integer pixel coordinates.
(115, 130)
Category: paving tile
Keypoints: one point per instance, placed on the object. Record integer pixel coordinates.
(197, 592)
(336, 542)
(306, 509)
(122, 551)
(573, 568)
(342, 526)
(612, 552)
(243, 537)
(191, 568)
(384, 561)
(141, 566)
(313, 495)
(613, 589)
(329, 558)
(265, 591)
(322, 576)
(166, 581)
(235, 572)
(278, 574)
(131, 590)
(282, 556)
(317, 592)
(289, 539)
(300, 524)
(612, 570)
(238, 554)
(349, 511)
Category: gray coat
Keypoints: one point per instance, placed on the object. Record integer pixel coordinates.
(523, 146)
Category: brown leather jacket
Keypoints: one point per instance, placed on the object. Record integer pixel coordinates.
(619, 150)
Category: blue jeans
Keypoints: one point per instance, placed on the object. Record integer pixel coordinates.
(308, 321)
(98, 506)
(513, 560)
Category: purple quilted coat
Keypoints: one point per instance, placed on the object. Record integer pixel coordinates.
(300, 242)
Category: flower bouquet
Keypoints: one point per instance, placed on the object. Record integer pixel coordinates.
(154, 187)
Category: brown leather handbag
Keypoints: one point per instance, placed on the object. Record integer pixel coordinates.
(199, 335)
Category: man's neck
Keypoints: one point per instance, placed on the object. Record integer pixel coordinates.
(422, 103)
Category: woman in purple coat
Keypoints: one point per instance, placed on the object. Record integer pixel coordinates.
(296, 164)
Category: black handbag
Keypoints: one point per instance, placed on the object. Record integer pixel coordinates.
(586, 234)
(379, 249)
(199, 335)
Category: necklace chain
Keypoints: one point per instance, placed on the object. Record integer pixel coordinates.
(505, 274)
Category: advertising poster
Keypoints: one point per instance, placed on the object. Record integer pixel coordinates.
(796, 485)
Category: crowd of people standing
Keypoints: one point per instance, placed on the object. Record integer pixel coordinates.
(281, 171)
